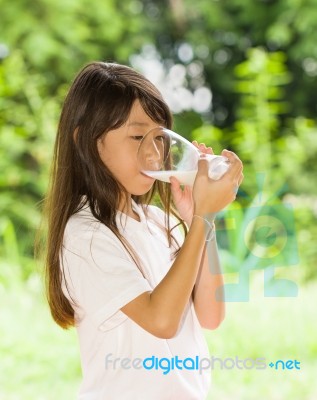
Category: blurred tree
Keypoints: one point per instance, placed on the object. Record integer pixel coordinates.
(27, 127)
(219, 33)
(58, 37)
(196, 48)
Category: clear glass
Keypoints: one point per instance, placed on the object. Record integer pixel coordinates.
(163, 153)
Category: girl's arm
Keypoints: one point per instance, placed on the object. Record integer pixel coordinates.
(160, 311)
(208, 293)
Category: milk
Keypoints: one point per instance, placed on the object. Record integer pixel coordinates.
(215, 171)
(184, 177)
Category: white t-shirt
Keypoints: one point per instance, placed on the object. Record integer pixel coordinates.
(101, 278)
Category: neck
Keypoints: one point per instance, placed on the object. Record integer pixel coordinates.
(125, 204)
(125, 207)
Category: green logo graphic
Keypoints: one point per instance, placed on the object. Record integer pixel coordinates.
(261, 236)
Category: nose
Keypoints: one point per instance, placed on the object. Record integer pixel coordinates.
(153, 155)
(152, 150)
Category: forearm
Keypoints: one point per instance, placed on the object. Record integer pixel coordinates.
(170, 297)
(208, 293)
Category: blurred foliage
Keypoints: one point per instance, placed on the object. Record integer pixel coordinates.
(278, 160)
(255, 56)
(221, 32)
(27, 125)
(58, 37)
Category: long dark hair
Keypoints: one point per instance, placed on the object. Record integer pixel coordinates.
(99, 100)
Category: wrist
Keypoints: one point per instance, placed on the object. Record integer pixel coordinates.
(209, 216)
(209, 225)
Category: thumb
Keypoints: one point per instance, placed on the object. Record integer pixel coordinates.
(174, 182)
(203, 165)
(176, 189)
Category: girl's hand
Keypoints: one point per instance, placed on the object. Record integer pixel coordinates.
(211, 196)
(183, 199)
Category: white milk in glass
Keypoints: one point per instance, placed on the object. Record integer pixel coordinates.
(184, 177)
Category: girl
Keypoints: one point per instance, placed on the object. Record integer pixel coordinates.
(119, 269)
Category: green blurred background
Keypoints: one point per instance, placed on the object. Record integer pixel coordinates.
(237, 74)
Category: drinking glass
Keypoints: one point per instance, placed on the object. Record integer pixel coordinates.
(163, 153)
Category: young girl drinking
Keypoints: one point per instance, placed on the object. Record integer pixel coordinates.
(133, 278)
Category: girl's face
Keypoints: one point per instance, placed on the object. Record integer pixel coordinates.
(118, 151)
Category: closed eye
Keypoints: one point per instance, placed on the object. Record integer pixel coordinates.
(137, 137)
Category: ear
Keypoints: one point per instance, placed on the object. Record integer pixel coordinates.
(101, 144)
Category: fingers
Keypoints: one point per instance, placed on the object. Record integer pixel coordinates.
(241, 177)
(235, 171)
(203, 166)
(175, 188)
(174, 182)
(181, 196)
(239, 181)
(203, 148)
(236, 166)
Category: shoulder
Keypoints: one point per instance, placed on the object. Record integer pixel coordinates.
(82, 221)
(82, 227)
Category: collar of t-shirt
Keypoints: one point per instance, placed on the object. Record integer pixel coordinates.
(128, 222)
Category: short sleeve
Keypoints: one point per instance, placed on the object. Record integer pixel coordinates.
(101, 275)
